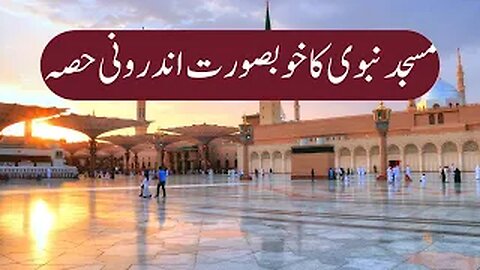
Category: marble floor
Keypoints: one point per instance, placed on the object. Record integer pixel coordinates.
(218, 223)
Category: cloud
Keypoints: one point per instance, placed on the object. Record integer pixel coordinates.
(447, 23)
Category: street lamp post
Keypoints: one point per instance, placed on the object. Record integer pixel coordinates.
(246, 138)
(381, 116)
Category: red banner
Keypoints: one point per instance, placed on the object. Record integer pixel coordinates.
(240, 65)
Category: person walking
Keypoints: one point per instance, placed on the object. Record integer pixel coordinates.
(408, 174)
(162, 180)
(389, 174)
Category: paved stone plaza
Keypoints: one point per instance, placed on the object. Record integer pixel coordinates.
(217, 223)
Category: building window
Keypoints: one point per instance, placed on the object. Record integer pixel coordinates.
(440, 119)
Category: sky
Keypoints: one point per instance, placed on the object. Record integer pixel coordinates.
(27, 26)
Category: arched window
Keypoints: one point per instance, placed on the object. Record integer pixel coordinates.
(440, 119)
(431, 119)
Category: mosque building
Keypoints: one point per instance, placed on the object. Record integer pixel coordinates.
(438, 129)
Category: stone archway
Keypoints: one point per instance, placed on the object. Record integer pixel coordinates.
(470, 156)
(254, 161)
(359, 157)
(374, 158)
(277, 162)
(393, 153)
(345, 158)
(412, 157)
(430, 158)
(449, 154)
(265, 161)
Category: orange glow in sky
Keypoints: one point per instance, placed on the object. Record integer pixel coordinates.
(43, 130)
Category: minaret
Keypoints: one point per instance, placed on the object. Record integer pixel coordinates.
(411, 105)
(141, 108)
(460, 77)
(296, 107)
(270, 111)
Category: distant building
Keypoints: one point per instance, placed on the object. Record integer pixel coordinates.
(438, 129)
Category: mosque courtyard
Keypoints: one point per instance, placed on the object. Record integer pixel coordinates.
(219, 223)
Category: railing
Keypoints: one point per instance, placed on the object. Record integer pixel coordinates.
(31, 172)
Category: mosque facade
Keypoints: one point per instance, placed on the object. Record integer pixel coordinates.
(438, 129)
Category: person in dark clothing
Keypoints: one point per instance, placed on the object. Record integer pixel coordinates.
(458, 176)
(443, 175)
(313, 174)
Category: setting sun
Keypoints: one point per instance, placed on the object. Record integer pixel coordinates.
(43, 130)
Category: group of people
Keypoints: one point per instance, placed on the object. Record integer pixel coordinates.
(341, 173)
(449, 172)
(261, 172)
(162, 175)
(393, 174)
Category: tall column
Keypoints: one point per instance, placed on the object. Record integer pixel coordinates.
(166, 160)
(352, 160)
(381, 116)
(440, 158)
(460, 159)
(184, 162)
(246, 138)
(203, 157)
(337, 160)
(160, 154)
(420, 159)
(175, 162)
(383, 155)
(135, 161)
(93, 160)
(369, 162)
(127, 162)
(245, 169)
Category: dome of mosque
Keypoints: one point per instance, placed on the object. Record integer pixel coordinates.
(442, 94)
